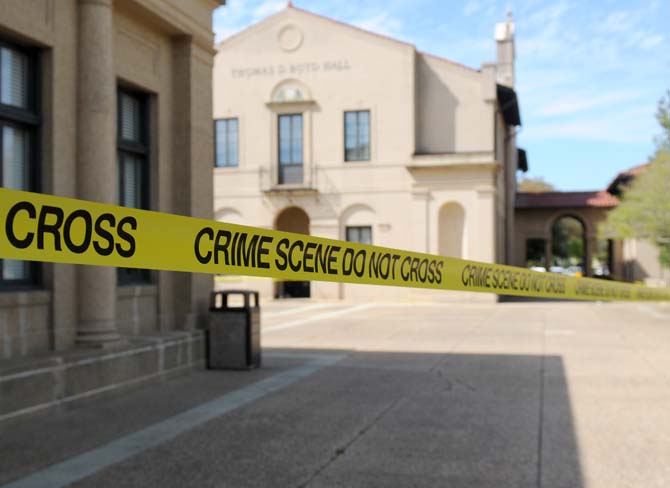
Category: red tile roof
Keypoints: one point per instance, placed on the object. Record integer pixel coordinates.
(566, 199)
(623, 179)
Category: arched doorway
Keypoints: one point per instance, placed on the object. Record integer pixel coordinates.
(292, 219)
(568, 246)
(451, 230)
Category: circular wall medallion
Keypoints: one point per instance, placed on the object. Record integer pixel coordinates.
(290, 38)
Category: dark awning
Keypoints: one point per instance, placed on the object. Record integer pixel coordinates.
(509, 106)
(521, 160)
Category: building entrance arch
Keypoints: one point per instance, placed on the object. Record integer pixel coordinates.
(292, 219)
(568, 246)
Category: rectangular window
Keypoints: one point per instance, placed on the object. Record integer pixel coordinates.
(19, 124)
(360, 234)
(226, 142)
(357, 135)
(133, 162)
(290, 148)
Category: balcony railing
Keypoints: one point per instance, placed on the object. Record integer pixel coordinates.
(288, 178)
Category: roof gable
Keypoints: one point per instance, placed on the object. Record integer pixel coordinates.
(290, 12)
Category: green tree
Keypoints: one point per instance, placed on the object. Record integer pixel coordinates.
(535, 185)
(645, 209)
(663, 117)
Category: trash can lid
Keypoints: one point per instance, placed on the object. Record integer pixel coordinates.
(219, 299)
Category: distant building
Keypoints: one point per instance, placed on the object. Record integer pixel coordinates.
(107, 101)
(640, 256)
(326, 129)
(539, 238)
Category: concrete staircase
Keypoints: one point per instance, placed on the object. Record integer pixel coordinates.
(35, 384)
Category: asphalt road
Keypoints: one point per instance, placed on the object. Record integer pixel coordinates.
(386, 395)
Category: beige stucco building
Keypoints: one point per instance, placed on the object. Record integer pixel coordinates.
(104, 100)
(327, 129)
(540, 235)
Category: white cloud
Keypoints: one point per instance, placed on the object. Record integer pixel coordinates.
(472, 7)
(634, 126)
(381, 23)
(574, 104)
(651, 41)
(547, 16)
(620, 21)
(267, 8)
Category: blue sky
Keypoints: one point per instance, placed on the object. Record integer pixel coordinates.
(589, 73)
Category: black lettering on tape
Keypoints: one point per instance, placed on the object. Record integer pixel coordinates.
(105, 234)
(126, 236)
(88, 230)
(9, 225)
(282, 260)
(207, 257)
(49, 228)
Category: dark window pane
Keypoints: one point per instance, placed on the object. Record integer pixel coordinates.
(360, 234)
(357, 135)
(535, 253)
(17, 138)
(14, 82)
(231, 139)
(15, 270)
(290, 139)
(15, 158)
(130, 118)
(133, 161)
(296, 139)
(226, 142)
(220, 142)
(132, 184)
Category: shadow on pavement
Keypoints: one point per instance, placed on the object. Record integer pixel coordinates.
(457, 420)
(374, 419)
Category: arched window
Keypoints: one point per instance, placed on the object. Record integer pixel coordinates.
(291, 91)
(357, 224)
(229, 215)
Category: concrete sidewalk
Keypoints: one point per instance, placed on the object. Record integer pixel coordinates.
(525, 394)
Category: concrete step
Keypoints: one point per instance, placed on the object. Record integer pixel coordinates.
(34, 384)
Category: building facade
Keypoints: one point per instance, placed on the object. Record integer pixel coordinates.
(561, 232)
(110, 101)
(326, 129)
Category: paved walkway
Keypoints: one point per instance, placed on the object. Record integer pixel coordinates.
(390, 395)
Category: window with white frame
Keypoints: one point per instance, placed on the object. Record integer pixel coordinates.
(226, 142)
(359, 233)
(357, 135)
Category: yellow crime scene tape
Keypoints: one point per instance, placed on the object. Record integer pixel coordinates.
(38, 227)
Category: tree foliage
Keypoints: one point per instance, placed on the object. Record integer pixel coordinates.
(645, 209)
(663, 117)
(534, 185)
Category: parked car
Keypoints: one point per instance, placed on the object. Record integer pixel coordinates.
(574, 271)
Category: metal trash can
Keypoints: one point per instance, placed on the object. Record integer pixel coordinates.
(234, 333)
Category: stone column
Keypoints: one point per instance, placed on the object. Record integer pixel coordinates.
(97, 172)
(590, 242)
